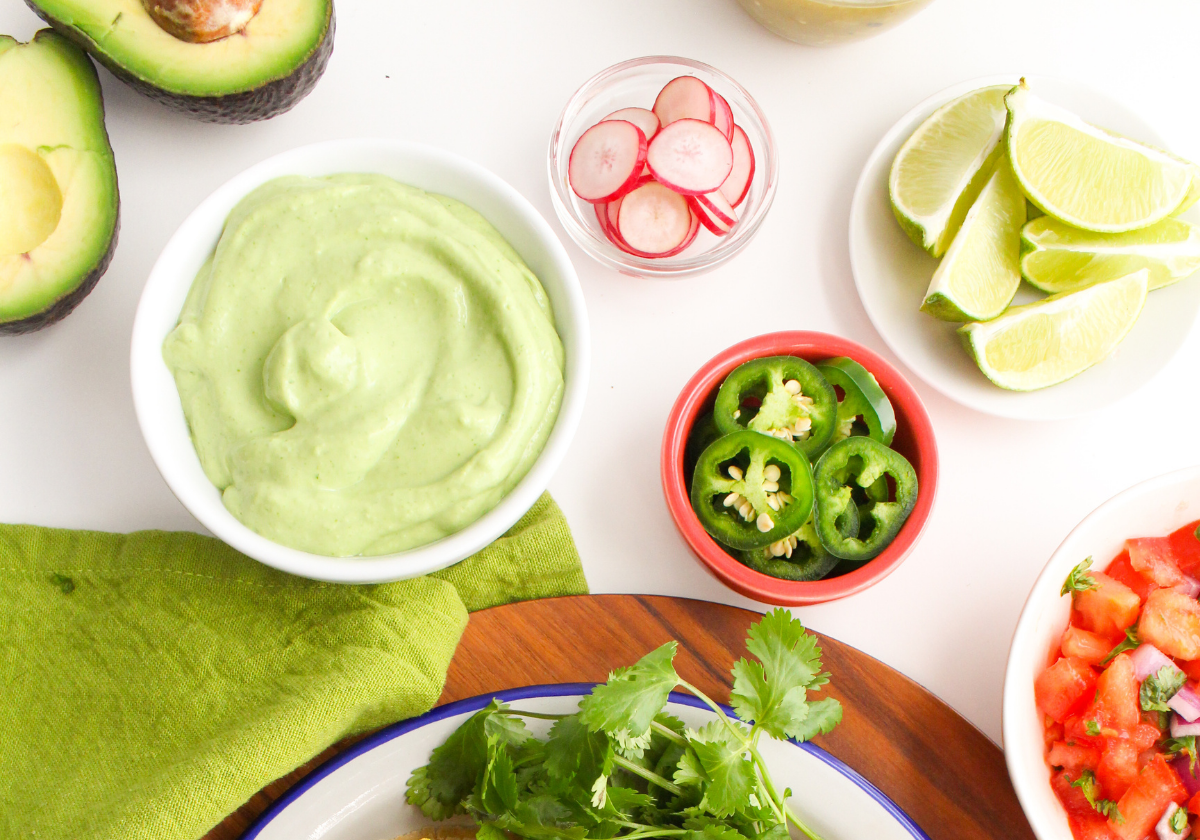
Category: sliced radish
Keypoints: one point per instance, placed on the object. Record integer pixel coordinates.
(691, 157)
(693, 230)
(719, 207)
(647, 121)
(685, 97)
(738, 183)
(614, 209)
(607, 160)
(654, 219)
(722, 115)
(602, 217)
(717, 223)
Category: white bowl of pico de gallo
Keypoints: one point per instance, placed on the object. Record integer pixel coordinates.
(1101, 713)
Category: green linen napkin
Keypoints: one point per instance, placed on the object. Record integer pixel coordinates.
(150, 683)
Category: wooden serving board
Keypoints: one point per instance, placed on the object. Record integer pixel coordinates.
(942, 771)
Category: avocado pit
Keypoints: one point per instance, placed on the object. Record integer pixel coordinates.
(202, 21)
(30, 200)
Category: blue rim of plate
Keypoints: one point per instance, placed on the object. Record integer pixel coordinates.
(474, 704)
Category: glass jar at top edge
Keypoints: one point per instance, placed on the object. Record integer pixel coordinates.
(819, 22)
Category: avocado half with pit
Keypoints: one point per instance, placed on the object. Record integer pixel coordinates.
(225, 61)
(58, 181)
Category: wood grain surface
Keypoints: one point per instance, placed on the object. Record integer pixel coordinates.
(935, 765)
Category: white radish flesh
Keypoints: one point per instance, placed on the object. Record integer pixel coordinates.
(685, 97)
(708, 218)
(738, 183)
(719, 207)
(647, 121)
(690, 157)
(606, 161)
(722, 115)
(654, 219)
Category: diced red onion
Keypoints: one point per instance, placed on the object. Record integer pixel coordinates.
(1182, 764)
(1190, 586)
(1181, 728)
(1163, 829)
(1186, 703)
(1148, 659)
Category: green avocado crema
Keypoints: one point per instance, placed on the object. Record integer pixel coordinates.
(365, 367)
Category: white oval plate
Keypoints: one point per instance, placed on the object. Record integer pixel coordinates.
(359, 795)
(892, 275)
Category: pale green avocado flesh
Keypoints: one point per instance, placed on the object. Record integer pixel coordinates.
(277, 42)
(58, 181)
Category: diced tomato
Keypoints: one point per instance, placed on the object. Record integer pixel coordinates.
(1074, 758)
(1075, 731)
(1122, 570)
(1109, 608)
(1145, 735)
(1116, 704)
(1085, 645)
(1153, 557)
(1118, 767)
(1064, 686)
(1192, 669)
(1142, 805)
(1171, 622)
(1072, 798)
(1094, 827)
(1053, 732)
(1193, 805)
(1185, 545)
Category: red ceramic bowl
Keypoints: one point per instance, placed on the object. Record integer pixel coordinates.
(914, 440)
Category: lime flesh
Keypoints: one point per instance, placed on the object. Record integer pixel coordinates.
(1059, 258)
(941, 168)
(1048, 342)
(1086, 176)
(980, 273)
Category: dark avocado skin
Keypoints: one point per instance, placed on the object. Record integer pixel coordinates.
(66, 304)
(260, 103)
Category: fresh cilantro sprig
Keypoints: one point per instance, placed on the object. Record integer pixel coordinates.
(1131, 642)
(1078, 580)
(623, 768)
(1160, 687)
(1185, 745)
(1087, 783)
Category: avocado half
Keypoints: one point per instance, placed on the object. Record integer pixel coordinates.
(261, 71)
(59, 207)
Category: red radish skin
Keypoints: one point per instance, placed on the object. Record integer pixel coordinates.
(647, 121)
(602, 217)
(719, 207)
(690, 157)
(685, 97)
(607, 161)
(722, 115)
(654, 219)
(710, 222)
(737, 185)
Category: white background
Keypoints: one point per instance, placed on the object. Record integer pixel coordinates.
(487, 80)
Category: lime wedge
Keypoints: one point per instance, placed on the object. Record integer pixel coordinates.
(1088, 177)
(1059, 258)
(1047, 342)
(1194, 193)
(981, 271)
(941, 168)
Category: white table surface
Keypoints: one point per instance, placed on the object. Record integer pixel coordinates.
(487, 80)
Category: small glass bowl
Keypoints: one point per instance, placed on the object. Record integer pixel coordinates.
(636, 83)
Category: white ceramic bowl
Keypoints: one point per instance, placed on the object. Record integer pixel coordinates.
(892, 275)
(156, 399)
(1153, 508)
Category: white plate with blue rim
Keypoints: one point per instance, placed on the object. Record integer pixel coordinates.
(359, 794)
(892, 275)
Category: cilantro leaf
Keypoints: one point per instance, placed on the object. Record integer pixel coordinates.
(823, 716)
(455, 767)
(714, 831)
(1131, 642)
(1078, 580)
(1087, 783)
(772, 692)
(726, 763)
(1158, 688)
(625, 705)
(498, 787)
(1179, 820)
(1185, 745)
(572, 749)
(1092, 727)
(690, 771)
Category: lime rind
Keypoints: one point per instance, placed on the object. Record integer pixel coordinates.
(980, 274)
(1057, 258)
(1050, 341)
(1086, 176)
(942, 167)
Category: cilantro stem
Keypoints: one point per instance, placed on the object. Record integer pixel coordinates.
(538, 715)
(648, 775)
(668, 733)
(657, 832)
